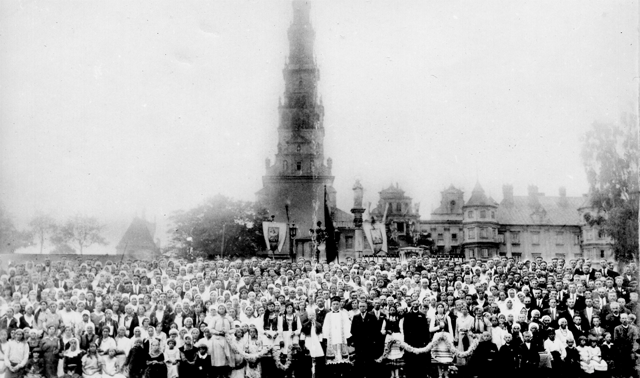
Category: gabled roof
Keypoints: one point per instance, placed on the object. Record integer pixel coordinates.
(479, 198)
(554, 211)
(138, 236)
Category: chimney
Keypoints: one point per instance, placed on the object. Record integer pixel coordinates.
(507, 195)
(563, 192)
(563, 196)
(533, 196)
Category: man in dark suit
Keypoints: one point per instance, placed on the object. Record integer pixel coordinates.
(321, 311)
(570, 312)
(8, 321)
(589, 312)
(537, 303)
(578, 327)
(415, 320)
(552, 312)
(380, 318)
(529, 356)
(362, 338)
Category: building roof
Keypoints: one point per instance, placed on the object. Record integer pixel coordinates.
(138, 236)
(554, 211)
(479, 198)
(392, 190)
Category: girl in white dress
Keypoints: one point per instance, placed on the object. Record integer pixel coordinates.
(171, 357)
(111, 368)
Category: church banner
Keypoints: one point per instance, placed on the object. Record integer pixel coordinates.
(376, 236)
(274, 235)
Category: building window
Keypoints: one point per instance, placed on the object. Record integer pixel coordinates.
(602, 253)
(576, 239)
(470, 214)
(587, 234)
(535, 238)
(483, 233)
(348, 240)
(485, 253)
(560, 255)
(298, 148)
(501, 238)
(536, 255)
(601, 234)
(285, 166)
(515, 238)
(493, 215)
(454, 238)
(483, 214)
(400, 227)
(440, 239)
(472, 234)
(299, 165)
(559, 238)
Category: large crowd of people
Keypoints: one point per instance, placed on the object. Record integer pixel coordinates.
(421, 317)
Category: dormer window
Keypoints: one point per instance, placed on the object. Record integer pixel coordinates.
(470, 214)
(483, 214)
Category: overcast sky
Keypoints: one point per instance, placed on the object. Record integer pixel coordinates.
(109, 107)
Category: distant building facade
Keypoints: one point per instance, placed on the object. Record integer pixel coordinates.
(401, 216)
(522, 227)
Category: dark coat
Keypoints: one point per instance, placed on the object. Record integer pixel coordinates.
(362, 331)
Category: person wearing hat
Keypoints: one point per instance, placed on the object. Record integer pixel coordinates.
(35, 366)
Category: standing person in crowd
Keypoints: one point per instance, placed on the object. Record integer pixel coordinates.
(50, 346)
(156, 366)
(363, 332)
(415, 320)
(220, 352)
(348, 312)
(16, 355)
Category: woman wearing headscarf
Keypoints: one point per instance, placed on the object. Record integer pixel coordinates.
(136, 361)
(221, 354)
(237, 361)
(72, 360)
(156, 366)
(16, 355)
(289, 326)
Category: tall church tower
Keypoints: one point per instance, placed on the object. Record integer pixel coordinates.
(300, 172)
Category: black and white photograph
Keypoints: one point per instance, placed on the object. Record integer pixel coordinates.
(319, 188)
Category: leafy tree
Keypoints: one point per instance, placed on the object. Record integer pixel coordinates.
(10, 237)
(79, 231)
(199, 231)
(43, 226)
(610, 154)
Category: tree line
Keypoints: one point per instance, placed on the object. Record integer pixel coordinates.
(71, 236)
